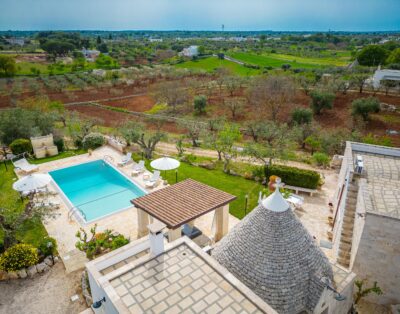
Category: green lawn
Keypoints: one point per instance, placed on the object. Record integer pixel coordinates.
(211, 63)
(30, 232)
(277, 60)
(234, 185)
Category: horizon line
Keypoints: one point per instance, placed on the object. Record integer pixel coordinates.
(203, 30)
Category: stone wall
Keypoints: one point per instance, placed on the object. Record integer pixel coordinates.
(378, 257)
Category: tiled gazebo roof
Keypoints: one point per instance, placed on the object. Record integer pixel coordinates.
(180, 203)
(272, 253)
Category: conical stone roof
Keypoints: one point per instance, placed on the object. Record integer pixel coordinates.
(272, 253)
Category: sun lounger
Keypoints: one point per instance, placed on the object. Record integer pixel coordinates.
(23, 165)
(296, 200)
(138, 168)
(47, 204)
(152, 182)
(42, 191)
(125, 160)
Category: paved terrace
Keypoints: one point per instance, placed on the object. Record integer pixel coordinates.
(183, 279)
(63, 229)
(383, 184)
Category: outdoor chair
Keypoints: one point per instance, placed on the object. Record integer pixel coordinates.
(23, 165)
(138, 168)
(125, 160)
(191, 232)
(152, 182)
(296, 200)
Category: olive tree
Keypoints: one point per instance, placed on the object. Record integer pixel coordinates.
(134, 132)
(321, 100)
(172, 93)
(193, 128)
(270, 94)
(274, 141)
(235, 106)
(364, 106)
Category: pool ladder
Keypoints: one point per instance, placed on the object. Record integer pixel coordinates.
(75, 209)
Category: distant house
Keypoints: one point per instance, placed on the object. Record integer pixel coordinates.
(90, 55)
(15, 41)
(191, 51)
(156, 40)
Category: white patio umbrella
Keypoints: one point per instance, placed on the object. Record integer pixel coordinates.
(165, 163)
(32, 182)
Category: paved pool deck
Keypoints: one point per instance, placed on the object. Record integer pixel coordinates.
(63, 228)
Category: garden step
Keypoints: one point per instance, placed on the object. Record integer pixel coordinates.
(344, 255)
(345, 247)
(74, 260)
(346, 239)
(343, 261)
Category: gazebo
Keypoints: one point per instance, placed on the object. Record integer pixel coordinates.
(182, 203)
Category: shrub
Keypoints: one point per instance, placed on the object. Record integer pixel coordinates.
(321, 159)
(98, 242)
(301, 115)
(59, 142)
(93, 141)
(321, 100)
(364, 106)
(294, 176)
(48, 246)
(19, 256)
(21, 145)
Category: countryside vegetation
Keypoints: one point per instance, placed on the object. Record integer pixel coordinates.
(249, 105)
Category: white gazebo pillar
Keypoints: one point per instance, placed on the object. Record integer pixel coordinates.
(221, 222)
(143, 222)
(174, 234)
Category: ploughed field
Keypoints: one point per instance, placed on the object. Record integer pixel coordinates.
(139, 99)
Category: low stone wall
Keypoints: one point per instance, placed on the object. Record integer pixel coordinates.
(30, 271)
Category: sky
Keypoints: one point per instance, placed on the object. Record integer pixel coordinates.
(277, 15)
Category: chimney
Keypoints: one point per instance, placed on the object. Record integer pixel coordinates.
(156, 237)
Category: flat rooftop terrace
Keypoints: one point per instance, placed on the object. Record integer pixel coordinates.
(182, 279)
(382, 171)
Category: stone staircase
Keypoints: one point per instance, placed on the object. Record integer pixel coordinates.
(346, 236)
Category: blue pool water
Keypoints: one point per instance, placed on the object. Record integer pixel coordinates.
(96, 188)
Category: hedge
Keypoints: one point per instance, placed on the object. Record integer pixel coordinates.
(21, 145)
(294, 176)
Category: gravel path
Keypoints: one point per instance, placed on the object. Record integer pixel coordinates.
(45, 293)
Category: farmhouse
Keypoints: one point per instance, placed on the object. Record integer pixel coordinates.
(267, 264)
(90, 55)
(191, 51)
(379, 75)
(367, 220)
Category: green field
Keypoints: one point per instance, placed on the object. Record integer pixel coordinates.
(211, 63)
(277, 60)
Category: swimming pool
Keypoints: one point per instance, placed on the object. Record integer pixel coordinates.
(96, 189)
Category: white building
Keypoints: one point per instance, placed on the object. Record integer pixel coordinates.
(190, 51)
(268, 263)
(393, 75)
(366, 232)
(90, 55)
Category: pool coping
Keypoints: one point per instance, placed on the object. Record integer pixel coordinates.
(76, 212)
